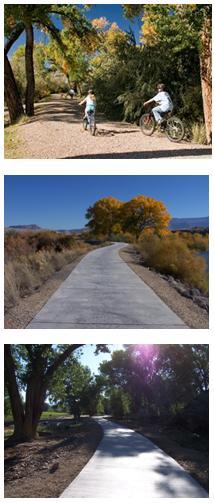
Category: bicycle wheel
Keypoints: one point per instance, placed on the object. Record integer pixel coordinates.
(175, 129)
(147, 124)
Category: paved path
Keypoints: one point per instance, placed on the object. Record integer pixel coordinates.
(103, 292)
(56, 132)
(126, 464)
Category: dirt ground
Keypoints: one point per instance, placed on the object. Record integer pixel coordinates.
(56, 132)
(20, 315)
(183, 446)
(193, 315)
(45, 467)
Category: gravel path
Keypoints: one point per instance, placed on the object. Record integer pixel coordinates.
(56, 133)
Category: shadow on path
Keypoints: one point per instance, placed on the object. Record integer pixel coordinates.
(148, 154)
(127, 464)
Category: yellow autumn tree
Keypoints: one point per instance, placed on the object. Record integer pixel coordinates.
(142, 213)
(104, 216)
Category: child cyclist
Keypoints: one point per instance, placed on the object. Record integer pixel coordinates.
(90, 102)
(163, 101)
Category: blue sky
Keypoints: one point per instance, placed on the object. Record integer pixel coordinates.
(93, 361)
(113, 13)
(60, 202)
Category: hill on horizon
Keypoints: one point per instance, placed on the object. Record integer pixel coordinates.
(188, 223)
(175, 224)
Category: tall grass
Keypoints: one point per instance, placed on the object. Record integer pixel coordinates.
(171, 255)
(198, 133)
(31, 259)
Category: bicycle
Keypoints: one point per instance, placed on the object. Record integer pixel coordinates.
(171, 125)
(89, 122)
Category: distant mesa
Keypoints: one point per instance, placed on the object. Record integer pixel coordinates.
(188, 223)
(175, 224)
(33, 227)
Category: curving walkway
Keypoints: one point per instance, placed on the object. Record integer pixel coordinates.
(103, 292)
(127, 464)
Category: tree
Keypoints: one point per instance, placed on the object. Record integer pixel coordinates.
(30, 368)
(74, 61)
(158, 379)
(11, 92)
(70, 385)
(103, 215)
(144, 212)
(178, 28)
(44, 16)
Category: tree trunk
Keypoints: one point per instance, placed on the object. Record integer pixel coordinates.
(29, 68)
(13, 391)
(26, 418)
(35, 397)
(206, 76)
(12, 96)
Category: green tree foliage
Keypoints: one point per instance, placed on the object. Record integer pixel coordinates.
(177, 31)
(30, 369)
(75, 389)
(158, 379)
(26, 17)
(119, 402)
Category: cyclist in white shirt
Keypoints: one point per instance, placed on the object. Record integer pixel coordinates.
(164, 103)
(90, 102)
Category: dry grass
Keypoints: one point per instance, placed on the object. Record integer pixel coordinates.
(32, 258)
(171, 255)
(198, 133)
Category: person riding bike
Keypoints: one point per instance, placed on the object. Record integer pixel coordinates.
(90, 102)
(164, 104)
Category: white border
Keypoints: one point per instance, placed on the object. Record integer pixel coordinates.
(114, 167)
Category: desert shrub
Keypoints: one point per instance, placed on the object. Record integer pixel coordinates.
(11, 294)
(123, 237)
(198, 133)
(171, 255)
(57, 261)
(41, 264)
(24, 277)
(196, 241)
(32, 258)
(16, 244)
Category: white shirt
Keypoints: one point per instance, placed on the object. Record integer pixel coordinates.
(163, 99)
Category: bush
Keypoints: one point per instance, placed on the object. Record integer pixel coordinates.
(119, 403)
(171, 255)
(11, 293)
(195, 416)
(198, 133)
(32, 258)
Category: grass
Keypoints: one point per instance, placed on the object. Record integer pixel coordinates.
(198, 132)
(172, 255)
(33, 257)
(52, 414)
(12, 142)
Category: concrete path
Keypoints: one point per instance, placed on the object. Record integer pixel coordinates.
(126, 464)
(103, 292)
